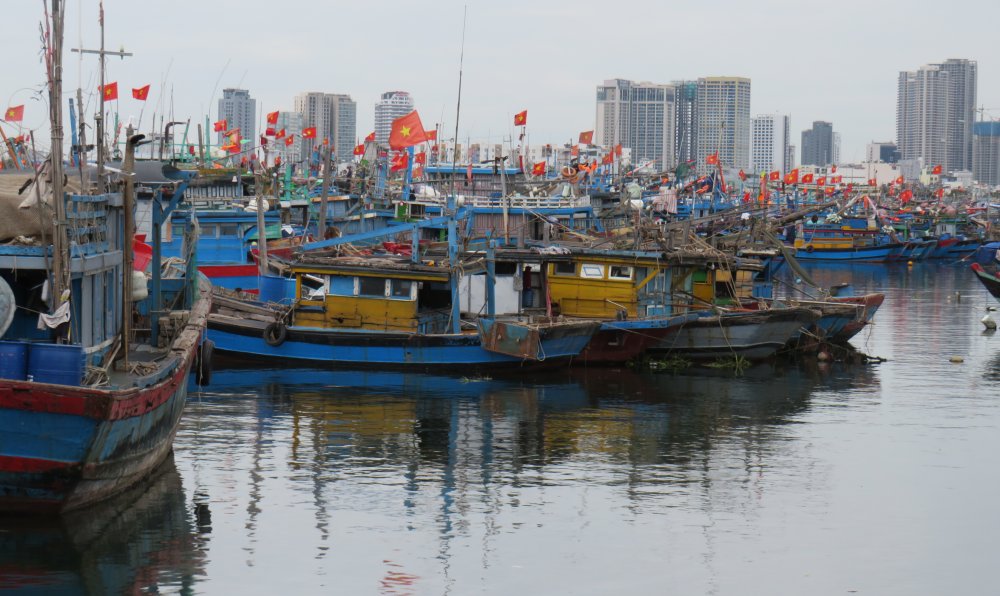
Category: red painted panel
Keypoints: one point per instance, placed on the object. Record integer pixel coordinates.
(30, 465)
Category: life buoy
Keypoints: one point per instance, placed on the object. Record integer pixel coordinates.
(204, 363)
(809, 248)
(275, 334)
(568, 172)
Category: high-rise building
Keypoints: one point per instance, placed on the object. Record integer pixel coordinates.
(723, 115)
(885, 152)
(935, 107)
(770, 143)
(638, 115)
(291, 123)
(986, 153)
(817, 144)
(686, 122)
(390, 106)
(239, 110)
(835, 155)
(335, 117)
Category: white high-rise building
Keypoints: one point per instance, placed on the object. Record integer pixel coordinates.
(291, 123)
(392, 105)
(335, 117)
(239, 110)
(935, 108)
(770, 143)
(640, 116)
(723, 115)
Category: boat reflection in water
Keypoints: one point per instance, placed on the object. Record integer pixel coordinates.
(427, 473)
(142, 541)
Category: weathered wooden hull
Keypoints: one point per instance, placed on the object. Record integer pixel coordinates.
(365, 348)
(618, 342)
(64, 447)
(753, 335)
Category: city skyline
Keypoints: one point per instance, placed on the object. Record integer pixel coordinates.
(853, 86)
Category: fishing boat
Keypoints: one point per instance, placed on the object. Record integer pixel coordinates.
(89, 399)
(753, 335)
(388, 311)
(989, 279)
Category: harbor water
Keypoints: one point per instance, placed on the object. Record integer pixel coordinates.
(791, 478)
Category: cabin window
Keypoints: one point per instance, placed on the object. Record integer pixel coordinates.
(229, 230)
(371, 286)
(620, 272)
(178, 230)
(592, 271)
(565, 268)
(401, 288)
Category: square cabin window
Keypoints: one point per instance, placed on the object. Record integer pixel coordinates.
(371, 286)
(400, 288)
(620, 272)
(565, 268)
(592, 271)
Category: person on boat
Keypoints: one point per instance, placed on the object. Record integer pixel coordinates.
(526, 292)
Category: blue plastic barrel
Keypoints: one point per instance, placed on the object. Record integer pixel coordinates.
(61, 364)
(13, 360)
(274, 288)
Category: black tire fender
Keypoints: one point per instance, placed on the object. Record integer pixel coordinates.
(275, 334)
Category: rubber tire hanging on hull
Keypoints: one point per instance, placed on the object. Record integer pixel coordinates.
(203, 368)
(275, 334)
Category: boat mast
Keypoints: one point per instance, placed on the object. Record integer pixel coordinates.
(60, 267)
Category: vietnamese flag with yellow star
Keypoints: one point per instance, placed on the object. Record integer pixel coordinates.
(407, 131)
(521, 118)
(109, 91)
(309, 132)
(14, 113)
(141, 93)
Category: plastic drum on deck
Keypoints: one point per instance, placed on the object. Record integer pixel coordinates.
(60, 364)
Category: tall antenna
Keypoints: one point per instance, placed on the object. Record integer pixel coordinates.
(458, 105)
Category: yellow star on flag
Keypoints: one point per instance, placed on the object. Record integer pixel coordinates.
(10, 113)
(405, 131)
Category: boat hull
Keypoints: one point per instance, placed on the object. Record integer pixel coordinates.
(869, 254)
(989, 280)
(63, 448)
(618, 342)
(753, 335)
(374, 348)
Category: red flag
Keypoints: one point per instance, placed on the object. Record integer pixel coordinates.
(289, 140)
(807, 178)
(399, 161)
(743, 175)
(407, 131)
(821, 181)
(774, 176)
(220, 126)
(828, 190)
(521, 118)
(468, 172)
(872, 182)
(141, 93)
(269, 132)
(833, 169)
(713, 159)
(618, 149)
(370, 137)
(309, 132)
(109, 91)
(326, 141)
(359, 150)
(937, 170)
(850, 187)
(263, 141)
(746, 197)
(608, 159)
(420, 158)
(899, 180)
(14, 113)
(905, 196)
(836, 180)
(272, 118)
(939, 193)
(280, 134)
(432, 135)
(538, 169)
(587, 137)
(792, 177)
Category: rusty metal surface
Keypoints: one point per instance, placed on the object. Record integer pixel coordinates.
(510, 339)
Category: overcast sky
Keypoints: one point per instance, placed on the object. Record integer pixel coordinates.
(834, 61)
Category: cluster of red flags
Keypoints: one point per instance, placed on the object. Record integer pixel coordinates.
(110, 92)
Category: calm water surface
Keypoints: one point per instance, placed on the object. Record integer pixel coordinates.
(793, 479)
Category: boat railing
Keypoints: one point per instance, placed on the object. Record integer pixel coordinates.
(514, 202)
